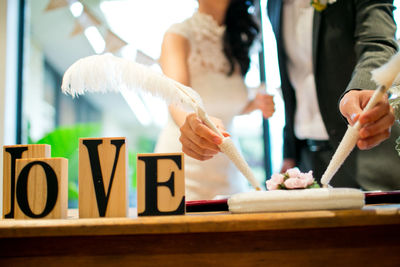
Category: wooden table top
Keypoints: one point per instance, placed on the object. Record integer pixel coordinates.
(201, 222)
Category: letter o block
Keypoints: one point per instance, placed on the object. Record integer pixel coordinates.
(41, 188)
(10, 155)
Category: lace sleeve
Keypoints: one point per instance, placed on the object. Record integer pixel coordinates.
(179, 28)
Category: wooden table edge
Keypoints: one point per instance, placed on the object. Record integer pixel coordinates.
(200, 223)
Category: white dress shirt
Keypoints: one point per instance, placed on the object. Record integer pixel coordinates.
(297, 35)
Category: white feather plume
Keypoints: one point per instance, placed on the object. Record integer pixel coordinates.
(107, 73)
(387, 73)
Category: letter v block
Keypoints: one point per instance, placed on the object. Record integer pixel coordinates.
(160, 184)
(10, 155)
(41, 188)
(103, 190)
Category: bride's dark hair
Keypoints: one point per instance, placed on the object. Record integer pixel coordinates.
(241, 30)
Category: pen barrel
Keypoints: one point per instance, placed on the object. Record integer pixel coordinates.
(204, 118)
(228, 148)
(349, 140)
(376, 97)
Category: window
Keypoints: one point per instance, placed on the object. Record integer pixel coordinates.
(57, 33)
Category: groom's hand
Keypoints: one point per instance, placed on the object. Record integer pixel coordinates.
(376, 123)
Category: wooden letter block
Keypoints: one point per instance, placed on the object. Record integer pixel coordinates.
(103, 190)
(10, 155)
(41, 188)
(160, 184)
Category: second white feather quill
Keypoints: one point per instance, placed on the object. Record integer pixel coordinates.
(107, 73)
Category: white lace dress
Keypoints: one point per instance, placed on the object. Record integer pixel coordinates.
(223, 96)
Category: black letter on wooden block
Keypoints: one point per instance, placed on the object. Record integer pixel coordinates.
(16, 153)
(101, 196)
(22, 189)
(151, 184)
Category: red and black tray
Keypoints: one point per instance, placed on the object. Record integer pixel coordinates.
(388, 197)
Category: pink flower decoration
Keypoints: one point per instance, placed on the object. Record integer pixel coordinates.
(291, 179)
(277, 178)
(271, 185)
(293, 173)
(308, 177)
(293, 183)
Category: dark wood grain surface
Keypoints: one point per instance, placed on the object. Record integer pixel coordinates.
(367, 237)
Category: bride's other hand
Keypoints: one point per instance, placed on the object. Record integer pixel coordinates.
(199, 141)
(265, 103)
(262, 101)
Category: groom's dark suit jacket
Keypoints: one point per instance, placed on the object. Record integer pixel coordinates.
(350, 38)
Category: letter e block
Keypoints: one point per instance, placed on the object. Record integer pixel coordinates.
(10, 155)
(103, 190)
(160, 184)
(41, 188)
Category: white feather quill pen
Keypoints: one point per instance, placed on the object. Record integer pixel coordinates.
(384, 77)
(107, 73)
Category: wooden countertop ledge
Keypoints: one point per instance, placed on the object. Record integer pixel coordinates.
(201, 222)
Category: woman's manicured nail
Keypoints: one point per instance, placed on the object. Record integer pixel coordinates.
(217, 140)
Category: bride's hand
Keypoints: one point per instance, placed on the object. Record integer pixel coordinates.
(261, 101)
(265, 103)
(199, 141)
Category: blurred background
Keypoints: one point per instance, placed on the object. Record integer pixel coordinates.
(50, 35)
